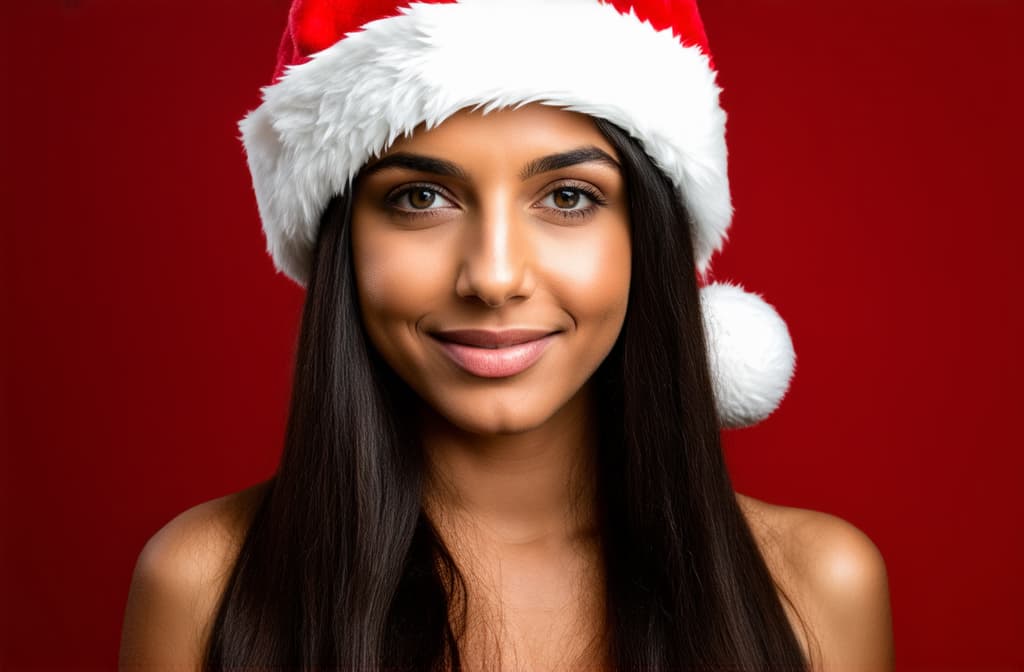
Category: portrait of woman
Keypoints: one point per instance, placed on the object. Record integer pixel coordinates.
(511, 335)
(503, 445)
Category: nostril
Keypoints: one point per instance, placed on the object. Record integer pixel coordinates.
(491, 289)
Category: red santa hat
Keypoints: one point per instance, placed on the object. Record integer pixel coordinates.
(353, 76)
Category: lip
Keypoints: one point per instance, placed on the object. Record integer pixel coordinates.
(494, 354)
(486, 338)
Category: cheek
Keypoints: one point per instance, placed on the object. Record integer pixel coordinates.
(397, 275)
(591, 276)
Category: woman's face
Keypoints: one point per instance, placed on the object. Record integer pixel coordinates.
(487, 224)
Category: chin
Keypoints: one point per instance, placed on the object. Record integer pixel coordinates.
(493, 416)
(497, 421)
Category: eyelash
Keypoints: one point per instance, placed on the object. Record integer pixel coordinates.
(394, 197)
(595, 197)
(596, 201)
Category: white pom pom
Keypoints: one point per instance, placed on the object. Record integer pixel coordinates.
(750, 351)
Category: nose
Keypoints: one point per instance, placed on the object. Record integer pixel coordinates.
(497, 255)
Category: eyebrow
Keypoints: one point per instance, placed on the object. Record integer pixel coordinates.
(566, 159)
(429, 164)
(417, 162)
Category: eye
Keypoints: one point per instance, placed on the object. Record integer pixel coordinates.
(418, 197)
(568, 198)
(573, 200)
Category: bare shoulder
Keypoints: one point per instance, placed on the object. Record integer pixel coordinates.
(835, 581)
(178, 580)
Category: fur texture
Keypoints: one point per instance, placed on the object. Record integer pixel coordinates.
(327, 117)
(751, 354)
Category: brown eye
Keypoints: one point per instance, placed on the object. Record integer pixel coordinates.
(421, 199)
(566, 198)
(417, 199)
(571, 201)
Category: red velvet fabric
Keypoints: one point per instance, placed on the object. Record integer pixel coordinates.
(314, 25)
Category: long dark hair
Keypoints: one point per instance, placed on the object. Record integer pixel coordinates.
(342, 569)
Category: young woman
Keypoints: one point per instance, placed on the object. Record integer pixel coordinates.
(503, 447)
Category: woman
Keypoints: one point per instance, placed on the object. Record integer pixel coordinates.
(503, 450)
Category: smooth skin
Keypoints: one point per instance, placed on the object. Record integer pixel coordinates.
(517, 218)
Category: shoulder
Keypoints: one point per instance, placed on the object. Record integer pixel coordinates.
(178, 580)
(835, 581)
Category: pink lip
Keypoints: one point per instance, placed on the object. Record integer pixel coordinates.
(516, 356)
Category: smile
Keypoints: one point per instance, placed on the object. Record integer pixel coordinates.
(494, 354)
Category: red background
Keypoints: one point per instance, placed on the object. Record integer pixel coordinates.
(875, 158)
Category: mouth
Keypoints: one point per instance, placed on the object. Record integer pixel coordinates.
(491, 340)
(490, 354)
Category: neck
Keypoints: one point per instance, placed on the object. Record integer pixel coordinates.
(519, 489)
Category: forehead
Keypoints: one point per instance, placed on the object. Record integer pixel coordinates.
(521, 132)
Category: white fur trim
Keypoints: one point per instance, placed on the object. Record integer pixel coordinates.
(326, 118)
(751, 354)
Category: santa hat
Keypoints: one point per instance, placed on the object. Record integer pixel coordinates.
(354, 75)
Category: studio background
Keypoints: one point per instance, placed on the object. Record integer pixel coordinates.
(875, 153)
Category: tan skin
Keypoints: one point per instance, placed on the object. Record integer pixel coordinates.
(492, 247)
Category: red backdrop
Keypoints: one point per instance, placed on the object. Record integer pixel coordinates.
(875, 149)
